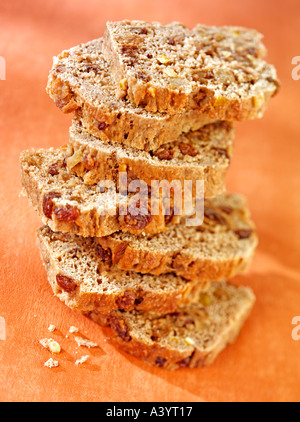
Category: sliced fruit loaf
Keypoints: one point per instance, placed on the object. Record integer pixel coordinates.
(201, 155)
(169, 68)
(190, 337)
(83, 277)
(67, 204)
(221, 247)
(80, 81)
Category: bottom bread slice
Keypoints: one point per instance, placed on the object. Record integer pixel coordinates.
(190, 337)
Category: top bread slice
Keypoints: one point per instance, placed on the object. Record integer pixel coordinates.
(192, 336)
(80, 81)
(169, 68)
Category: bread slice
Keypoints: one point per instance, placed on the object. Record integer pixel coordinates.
(220, 248)
(80, 81)
(201, 155)
(190, 337)
(83, 277)
(67, 204)
(169, 68)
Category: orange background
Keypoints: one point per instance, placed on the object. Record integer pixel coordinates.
(263, 364)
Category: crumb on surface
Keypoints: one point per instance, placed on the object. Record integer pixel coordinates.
(50, 345)
(51, 328)
(51, 363)
(82, 360)
(85, 342)
(73, 329)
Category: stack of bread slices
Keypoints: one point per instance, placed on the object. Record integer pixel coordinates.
(151, 102)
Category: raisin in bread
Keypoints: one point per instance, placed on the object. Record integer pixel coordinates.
(221, 247)
(169, 68)
(190, 337)
(83, 277)
(201, 155)
(67, 204)
(80, 81)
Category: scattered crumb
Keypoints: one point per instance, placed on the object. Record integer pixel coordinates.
(51, 328)
(82, 359)
(50, 344)
(51, 363)
(73, 329)
(85, 342)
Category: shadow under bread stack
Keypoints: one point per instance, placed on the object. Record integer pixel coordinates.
(151, 102)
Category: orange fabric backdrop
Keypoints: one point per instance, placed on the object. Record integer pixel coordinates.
(264, 362)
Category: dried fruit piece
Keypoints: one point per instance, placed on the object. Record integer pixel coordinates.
(103, 125)
(66, 283)
(243, 233)
(188, 149)
(222, 152)
(68, 213)
(48, 203)
(54, 169)
(159, 361)
(120, 328)
(137, 217)
(212, 214)
(169, 217)
(164, 153)
(104, 254)
(186, 361)
(226, 208)
(127, 301)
